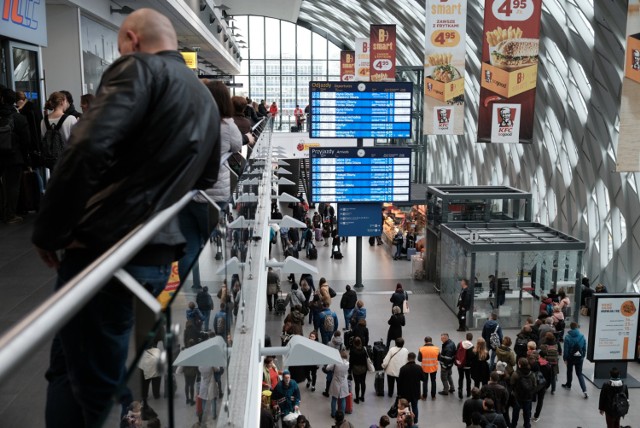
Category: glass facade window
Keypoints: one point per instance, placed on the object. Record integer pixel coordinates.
(280, 61)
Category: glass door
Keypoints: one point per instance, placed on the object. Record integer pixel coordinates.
(25, 70)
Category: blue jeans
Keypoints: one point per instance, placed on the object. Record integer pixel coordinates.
(429, 377)
(577, 364)
(347, 316)
(88, 355)
(342, 405)
(492, 359)
(206, 314)
(526, 413)
(194, 225)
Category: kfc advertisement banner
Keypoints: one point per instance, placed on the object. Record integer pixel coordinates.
(444, 66)
(628, 158)
(362, 59)
(510, 54)
(347, 65)
(382, 61)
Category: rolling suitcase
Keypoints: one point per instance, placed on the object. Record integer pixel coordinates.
(348, 408)
(337, 255)
(313, 253)
(379, 384)
(318, 233)
(281, 305)
(29, 196)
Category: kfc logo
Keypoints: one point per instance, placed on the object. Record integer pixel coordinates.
(505, 114)
(443, 115)
(506, 123)
(487, 76)
(635, 59)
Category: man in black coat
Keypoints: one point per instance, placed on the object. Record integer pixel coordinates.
(409, 382)
(12, 160)
(464, 304)
(347, 304)
(124, 162)
(606, 403)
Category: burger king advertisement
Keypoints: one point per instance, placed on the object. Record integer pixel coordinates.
(347, 66)
(510, 54)
(362, 59)
(613, 331)
(382, 60)
(628, 158)
(444, 64)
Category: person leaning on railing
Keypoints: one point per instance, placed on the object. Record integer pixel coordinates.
(136, 151)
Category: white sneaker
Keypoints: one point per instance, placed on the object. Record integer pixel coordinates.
(535, 419)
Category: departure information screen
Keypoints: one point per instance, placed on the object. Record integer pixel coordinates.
(367, 174)
(360, 109)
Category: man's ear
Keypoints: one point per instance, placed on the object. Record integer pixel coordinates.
(135, 40)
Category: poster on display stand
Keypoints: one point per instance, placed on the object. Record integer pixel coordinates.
(613, 327)
(510, 54)
(382, 60)
(444, 66)
(628, 158)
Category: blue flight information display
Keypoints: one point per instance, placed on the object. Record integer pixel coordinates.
(360, 109)
(360, 174)
(359, 219)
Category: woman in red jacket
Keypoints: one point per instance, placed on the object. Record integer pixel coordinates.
(273, 110)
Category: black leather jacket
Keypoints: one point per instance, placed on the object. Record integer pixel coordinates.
(151, 135)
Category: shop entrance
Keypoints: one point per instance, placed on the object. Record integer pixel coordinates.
(20, 68)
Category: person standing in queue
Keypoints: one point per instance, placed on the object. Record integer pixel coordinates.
(125, 162)
(464, 304)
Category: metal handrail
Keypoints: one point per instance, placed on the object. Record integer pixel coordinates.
(23, 338)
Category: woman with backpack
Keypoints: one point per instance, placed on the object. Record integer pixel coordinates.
(552, 348)
(544, 374)
(55, 128)
(523, 386)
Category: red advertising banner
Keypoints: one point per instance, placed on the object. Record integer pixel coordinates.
(383, 53)
(347, 66)
(510, 49)
(628, 158)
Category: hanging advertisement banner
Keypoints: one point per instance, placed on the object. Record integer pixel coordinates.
(382, 61)
(347, 65)
(510, 47)
(362, 59)
(628, 158)
(444, 67)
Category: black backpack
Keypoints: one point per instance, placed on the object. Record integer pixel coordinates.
(6, 135)
(525, 387)
(520, 348)
(52, 142)
(619, 404)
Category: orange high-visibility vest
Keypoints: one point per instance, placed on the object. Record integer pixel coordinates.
(429, 355)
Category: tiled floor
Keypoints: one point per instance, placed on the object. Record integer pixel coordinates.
(25, 282)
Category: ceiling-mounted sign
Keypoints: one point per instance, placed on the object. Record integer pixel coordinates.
(362, 59)
(25, 21)
(628, 158)
(191, 59)
(347, 65)
(382, 61)
(444, 67)
(360, 109)
(510, 48)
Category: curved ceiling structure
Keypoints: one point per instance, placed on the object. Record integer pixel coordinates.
(569, 166)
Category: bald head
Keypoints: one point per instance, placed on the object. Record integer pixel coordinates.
(146, 30)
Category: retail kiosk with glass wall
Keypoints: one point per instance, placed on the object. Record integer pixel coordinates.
(452, 204)
(509, 268)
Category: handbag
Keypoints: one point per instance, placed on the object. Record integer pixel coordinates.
(393, 411)
(237, 163)
(370, 367)
(405, 307)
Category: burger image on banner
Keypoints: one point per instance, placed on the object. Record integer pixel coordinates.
(510, 57)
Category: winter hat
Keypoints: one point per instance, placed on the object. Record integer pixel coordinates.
(501, 367)
(286, 372)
